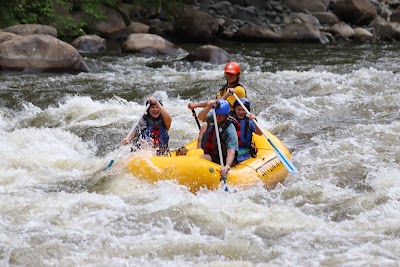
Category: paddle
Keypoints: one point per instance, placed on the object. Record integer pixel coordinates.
(127, 136)
(195, 116)
(288, 164)
(221, 159)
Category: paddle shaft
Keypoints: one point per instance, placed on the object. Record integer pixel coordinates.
(197, 120)
(221, 158)
(127, 136)
(286, 162)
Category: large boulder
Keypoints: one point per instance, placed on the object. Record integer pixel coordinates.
(305, 5)
(90, 44)
(196, 26)
(113, 22)
(301, 18)
(341, 29)
(26, 29)
(150, 43)
(134, 27)
(256, 33)
(326, 18)
(209, 53)
(5, 36)
(40, 52)
(362, 35)
(358, 12)
(385, 30)
(301, 32)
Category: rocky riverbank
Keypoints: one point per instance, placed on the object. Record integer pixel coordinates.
(324, 21)
(205, 22)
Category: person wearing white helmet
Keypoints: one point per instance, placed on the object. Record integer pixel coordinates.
(228, 135)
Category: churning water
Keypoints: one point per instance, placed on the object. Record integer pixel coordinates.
(336, 107)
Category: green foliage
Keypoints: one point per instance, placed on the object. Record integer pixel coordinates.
(35, 11)
(6, 14)
(44, 12)
(172, 7)
(67, 28)
(94, 8)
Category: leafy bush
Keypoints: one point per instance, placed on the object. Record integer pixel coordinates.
(44, 12)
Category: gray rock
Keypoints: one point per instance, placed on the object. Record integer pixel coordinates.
(25, 29)
(40, 52)
(150, 43)
(209, 53)
(90, 44)
(358, 12)
(196, 26)
(256, 33)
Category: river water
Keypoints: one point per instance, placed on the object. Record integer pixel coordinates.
(336, 107)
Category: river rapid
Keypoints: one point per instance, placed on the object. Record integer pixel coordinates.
(336, 107)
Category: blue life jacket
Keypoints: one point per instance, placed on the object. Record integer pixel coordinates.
(156, 133)
(245, 146)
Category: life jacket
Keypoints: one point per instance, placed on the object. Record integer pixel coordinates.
(156, 133)
(247, 148)
(231, 99)
(223, 89)
(244, 131)
(209, 142)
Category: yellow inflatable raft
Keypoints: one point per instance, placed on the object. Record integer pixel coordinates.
(194, 172)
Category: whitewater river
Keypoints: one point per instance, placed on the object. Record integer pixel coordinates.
(336, 107)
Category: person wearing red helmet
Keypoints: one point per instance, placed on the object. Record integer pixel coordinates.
(232, 75)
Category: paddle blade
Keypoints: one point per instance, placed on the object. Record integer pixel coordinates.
(286, 162)
(223, 184)
(109, 165)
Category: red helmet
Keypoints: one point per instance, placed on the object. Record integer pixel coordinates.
(232, 67)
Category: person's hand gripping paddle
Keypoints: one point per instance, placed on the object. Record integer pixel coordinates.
(286, 162)
(127, 136)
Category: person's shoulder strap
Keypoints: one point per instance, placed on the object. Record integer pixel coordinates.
(227, 123)
(221, 92)
(233, 119)
(246, 126)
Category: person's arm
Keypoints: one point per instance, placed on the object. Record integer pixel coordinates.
(229, 91)
(197, 105)
(203, 113)
(136, 132)
(126, 141)
(256, 129)
(165, 115)
(230, 157)
(163, 111)
(232, 145)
